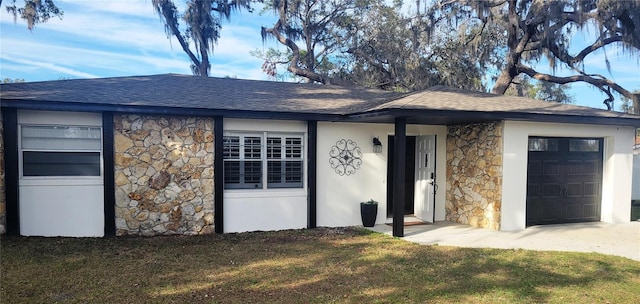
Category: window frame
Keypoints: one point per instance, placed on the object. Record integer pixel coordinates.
(296, 152)
(242, 160)
(269, 155)
(22, 150)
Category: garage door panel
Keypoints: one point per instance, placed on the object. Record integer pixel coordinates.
(535, 168)
(575, 167)
(550, 211)
(551, 190)
(575, 190)
(564, 183)
(550, 167)
(592, 212)
(534, 190)
(592, 189)
(592, 167)
(573, 212)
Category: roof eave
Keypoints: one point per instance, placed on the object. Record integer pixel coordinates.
(448, 117)
(163, 110)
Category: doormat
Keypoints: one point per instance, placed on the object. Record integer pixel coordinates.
(414, 223)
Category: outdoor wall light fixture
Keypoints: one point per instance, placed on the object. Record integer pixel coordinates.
(377, 145)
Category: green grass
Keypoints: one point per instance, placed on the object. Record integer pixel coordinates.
(303, 266)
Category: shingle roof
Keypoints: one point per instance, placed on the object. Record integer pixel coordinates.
(447, 98)
(174, 92)
(181, 91)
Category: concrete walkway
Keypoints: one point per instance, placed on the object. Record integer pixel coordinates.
(614, 239)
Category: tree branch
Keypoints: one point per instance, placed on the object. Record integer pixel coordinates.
(295, 58)
(168, 12)
(598, 81)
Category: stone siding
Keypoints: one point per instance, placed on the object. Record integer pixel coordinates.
(3, 204)
(474, 174)
(163, 175)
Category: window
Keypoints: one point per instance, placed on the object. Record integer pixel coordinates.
(284, 170)
(61, 150)
(253, 160)
(584, 145)
(537, 144)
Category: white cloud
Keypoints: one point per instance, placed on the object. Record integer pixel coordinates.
(49, 66)
(108, 38)
(120, 7)
(93, 61)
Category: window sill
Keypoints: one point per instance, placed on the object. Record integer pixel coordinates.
(265, 193)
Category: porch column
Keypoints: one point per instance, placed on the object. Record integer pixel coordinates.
(108, 157)
(400, 149)
(12, 211)
(218, 174)
(312, 129)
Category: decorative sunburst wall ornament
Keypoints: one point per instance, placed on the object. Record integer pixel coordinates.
(346, 157)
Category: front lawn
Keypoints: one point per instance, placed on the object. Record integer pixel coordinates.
(303, 266)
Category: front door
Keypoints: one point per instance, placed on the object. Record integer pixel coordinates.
(425, 185)
(409, 176)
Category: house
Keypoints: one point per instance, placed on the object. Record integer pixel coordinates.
(175, 154)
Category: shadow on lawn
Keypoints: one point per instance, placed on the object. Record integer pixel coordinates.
(320, 265)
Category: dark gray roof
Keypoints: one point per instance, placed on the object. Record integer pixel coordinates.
(182, 91)
(176, 93)
(447, 98)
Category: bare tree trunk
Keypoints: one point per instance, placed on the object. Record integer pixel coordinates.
(504, 80)
(636, 103)
(295, 58)
(513, 57)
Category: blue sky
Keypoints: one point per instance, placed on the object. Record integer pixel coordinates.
(122, 38)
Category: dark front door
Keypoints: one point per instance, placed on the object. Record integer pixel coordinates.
(564, 180)
(410, 170)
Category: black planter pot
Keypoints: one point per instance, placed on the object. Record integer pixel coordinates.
(368, 212)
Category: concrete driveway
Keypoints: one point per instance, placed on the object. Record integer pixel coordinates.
(614, 239)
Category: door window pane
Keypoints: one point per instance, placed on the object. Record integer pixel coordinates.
(584, 145)
(537, 144)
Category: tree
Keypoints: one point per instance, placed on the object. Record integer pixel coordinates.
(537, 29)
(34, 11)
(272, 59)
(627, 105)
(313, 23)
(202, 20)
(542, 90)
(12, 80)
(366, 42)
(392, 51)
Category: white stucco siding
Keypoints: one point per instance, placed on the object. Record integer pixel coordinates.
(266, 209)
(617, 168)
(339, 197)
(70, 208)
(61, 205)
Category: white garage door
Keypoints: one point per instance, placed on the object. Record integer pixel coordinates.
(61, 176)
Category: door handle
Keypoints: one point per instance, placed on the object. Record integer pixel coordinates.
(432, 181)
(564, 191)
